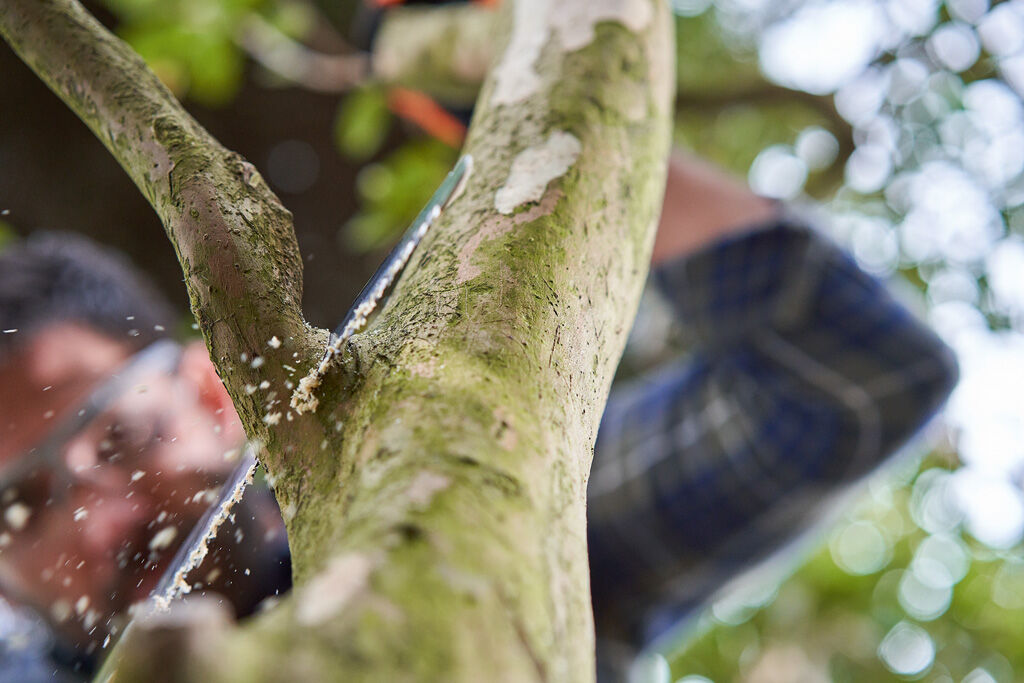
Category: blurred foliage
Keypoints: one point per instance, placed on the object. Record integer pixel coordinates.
(7, 233)
(362, 123)
(394, 189)
(192, 45)
(733, 133)
(900, 592)
(707, 62)
(728, 113)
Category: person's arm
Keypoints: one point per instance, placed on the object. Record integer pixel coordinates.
(807, 374)
(704, 204)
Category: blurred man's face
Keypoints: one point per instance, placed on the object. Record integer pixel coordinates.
(84, 539)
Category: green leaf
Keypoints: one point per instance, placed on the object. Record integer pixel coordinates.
(7, 234)
(394, 190)
(362, 123)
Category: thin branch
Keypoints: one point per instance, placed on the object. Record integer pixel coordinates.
(233, 237)
(299, 64)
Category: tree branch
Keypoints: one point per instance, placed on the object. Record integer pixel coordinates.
(297, 63)
(435, 502)
(445, 51)
(233, 237)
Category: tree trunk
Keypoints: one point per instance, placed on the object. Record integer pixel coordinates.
(435, 501)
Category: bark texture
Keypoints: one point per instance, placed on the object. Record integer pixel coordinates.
(435, 502)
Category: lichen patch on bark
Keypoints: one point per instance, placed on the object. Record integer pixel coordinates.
(328, 592)
(425, 486)
(534, 168)
(515, 78)
(575, 21)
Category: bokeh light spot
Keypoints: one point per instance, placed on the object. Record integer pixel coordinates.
(293, 166)
(777, 173)
(1008, 584)
(650, 667)
(928, 598)
(907, 649)
(955, 46)
(947, 551)
(860, 548)
(993, 507)
(822, 45)
(816, 147)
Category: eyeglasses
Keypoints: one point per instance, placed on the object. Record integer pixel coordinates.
(42, 475)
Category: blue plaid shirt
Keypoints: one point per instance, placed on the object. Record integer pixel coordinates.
(806, 375)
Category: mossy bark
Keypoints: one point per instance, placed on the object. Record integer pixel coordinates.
(435, 502)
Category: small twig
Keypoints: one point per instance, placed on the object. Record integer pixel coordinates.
(297, 63)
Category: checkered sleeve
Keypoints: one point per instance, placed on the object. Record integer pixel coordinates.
(806, 375)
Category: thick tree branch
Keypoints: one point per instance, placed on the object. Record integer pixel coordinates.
(435, 502)
(443, 538)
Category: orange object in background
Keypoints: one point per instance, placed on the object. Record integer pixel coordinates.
(421, 109)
